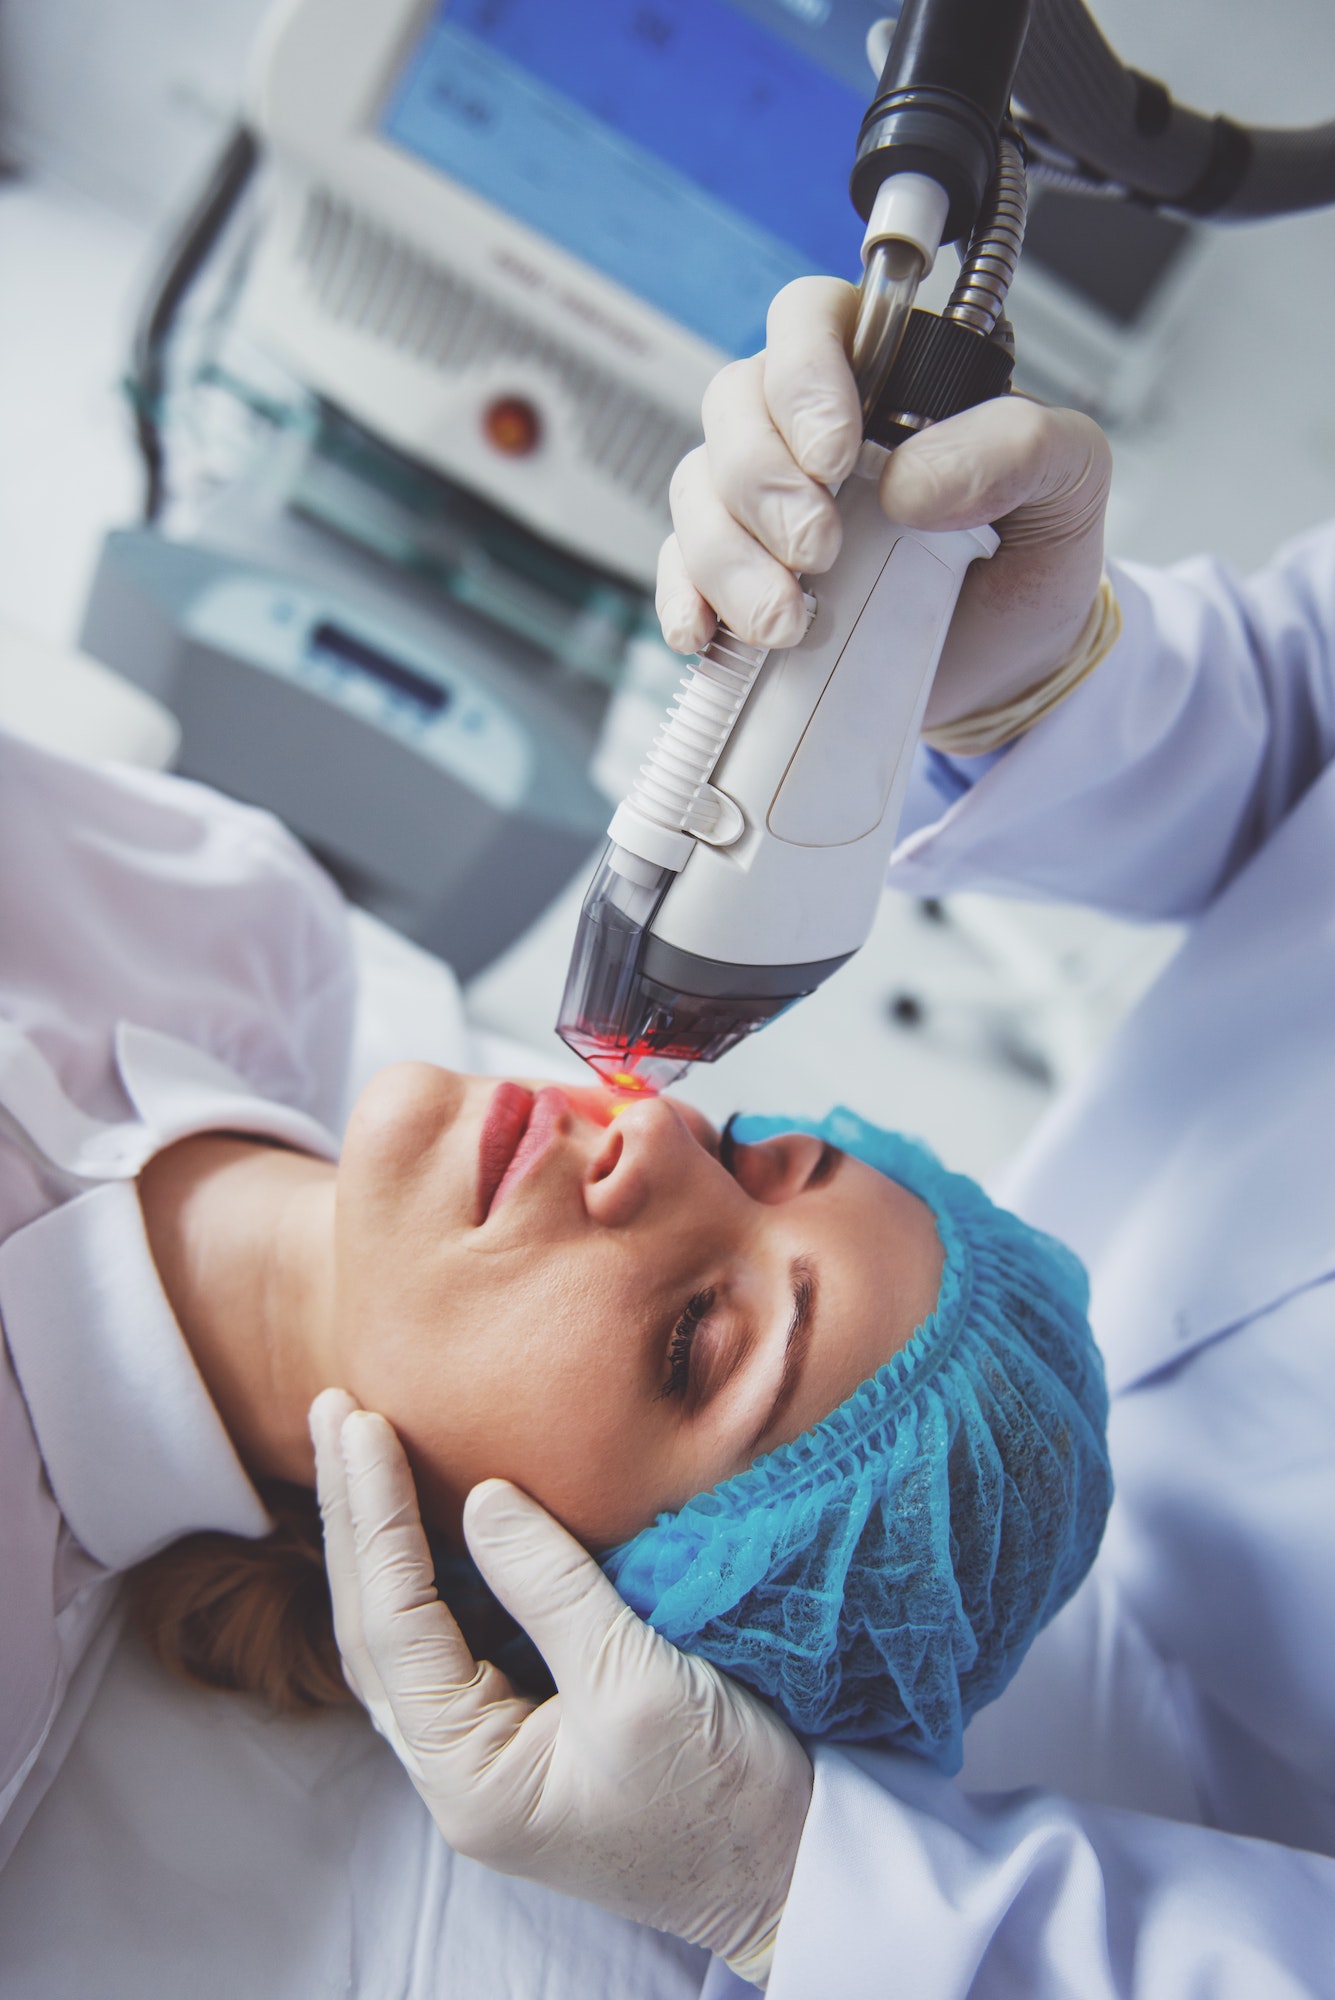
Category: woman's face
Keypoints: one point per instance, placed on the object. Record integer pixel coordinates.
(610, 1314)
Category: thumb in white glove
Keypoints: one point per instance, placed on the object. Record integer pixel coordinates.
(648, 1784)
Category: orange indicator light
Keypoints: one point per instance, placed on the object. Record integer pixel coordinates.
(512, 426)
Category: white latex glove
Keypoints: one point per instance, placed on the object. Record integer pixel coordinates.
(751, 506)
(648, 1784)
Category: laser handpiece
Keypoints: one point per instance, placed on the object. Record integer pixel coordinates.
(746, 864)
(747, 861)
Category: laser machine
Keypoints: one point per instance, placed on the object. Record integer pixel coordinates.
(464, 278)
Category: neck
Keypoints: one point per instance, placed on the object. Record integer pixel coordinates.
(243, 1238)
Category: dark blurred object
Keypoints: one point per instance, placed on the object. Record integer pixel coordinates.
(182, 262)
(490, 1633)
(1099, 299)
(1114, 254)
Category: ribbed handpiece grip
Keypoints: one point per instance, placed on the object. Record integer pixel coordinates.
(691, 738)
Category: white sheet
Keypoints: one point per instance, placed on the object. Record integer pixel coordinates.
(192, 1845)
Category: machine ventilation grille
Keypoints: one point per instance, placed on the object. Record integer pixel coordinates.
(368, 278)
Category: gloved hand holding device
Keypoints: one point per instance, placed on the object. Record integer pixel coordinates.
(649, 1784)
(751, 507)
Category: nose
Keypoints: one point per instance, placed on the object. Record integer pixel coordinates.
(646, 1151)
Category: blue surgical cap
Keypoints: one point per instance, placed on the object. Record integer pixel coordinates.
(881, 1577)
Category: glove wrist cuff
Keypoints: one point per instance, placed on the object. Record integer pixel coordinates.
(753, 1964)
(991, 728)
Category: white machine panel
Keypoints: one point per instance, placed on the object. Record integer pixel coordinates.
(802, 882)
(828, 798)
(515, 238)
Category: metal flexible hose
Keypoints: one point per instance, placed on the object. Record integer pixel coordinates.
(185, 258)
(988, 265)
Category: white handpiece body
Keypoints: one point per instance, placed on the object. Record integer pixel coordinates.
(819, 758)
(746, 863)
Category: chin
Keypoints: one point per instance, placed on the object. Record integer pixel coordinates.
(403, 1111)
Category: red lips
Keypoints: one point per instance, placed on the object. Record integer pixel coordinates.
(516, 1130)
(503, 1127)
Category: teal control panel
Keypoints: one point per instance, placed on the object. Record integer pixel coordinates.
(375, 674)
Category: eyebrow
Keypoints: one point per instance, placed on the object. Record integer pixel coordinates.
(796, 1344)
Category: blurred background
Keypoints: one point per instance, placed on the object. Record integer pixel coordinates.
(410, 473)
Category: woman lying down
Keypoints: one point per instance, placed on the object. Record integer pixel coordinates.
(826, 1415)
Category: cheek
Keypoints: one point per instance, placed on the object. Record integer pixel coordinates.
(519, 1370)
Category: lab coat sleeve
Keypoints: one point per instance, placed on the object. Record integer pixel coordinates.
(907, 1886)
(1152, 785)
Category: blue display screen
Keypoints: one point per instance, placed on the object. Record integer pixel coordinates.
(696, 151)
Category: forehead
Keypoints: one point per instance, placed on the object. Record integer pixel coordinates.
(878, 1259)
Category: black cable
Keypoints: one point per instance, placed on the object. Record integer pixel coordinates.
(1104, 125)
(184, 259)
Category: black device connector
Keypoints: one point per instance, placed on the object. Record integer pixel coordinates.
(942, 367)
(940, 103)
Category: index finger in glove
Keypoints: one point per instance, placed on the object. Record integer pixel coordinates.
(327, 1414)
(757, 478)
(444, 1704)
(809, 387)
(548, 1582)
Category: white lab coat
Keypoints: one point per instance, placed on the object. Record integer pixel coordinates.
(1175, 1727)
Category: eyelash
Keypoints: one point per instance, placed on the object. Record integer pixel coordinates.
(697, 1312)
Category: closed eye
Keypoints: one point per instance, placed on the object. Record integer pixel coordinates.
(697, 1312)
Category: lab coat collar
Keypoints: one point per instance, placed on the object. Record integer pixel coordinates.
(177, 1089)
(133, 1447)
(135, 1451)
